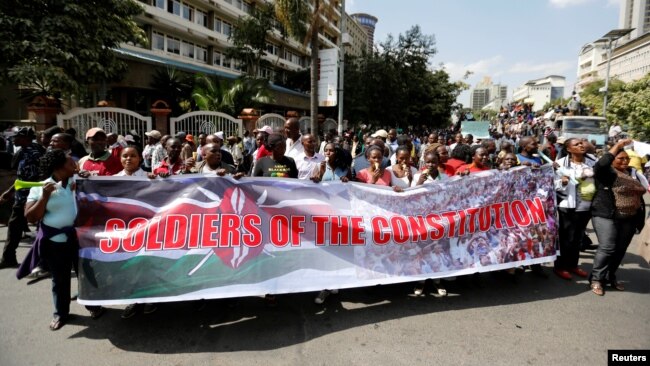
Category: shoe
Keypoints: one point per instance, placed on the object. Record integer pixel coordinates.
(321, 297)
(579, 272)
(8, 264)
(597, 288)
(617, 285)
(96, 313)
(74, 297)
(149, 308)
(538, 271)
(442, 291)
(56, 323)
(271, 300)
(38, 273)
(419, 289)
(129, 311)
(565, 275)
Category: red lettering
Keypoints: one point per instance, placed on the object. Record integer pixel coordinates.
(339, 230)
(400, 229)
(153, 243)
(320, 222)
(195, 231)
(297, 228)
(134, 239)
(484, 219)
(357, 230)
(253, 236)
(229, 235)
(279, 227)
(496, 209)
(112, 243)
(451, 219)
(536, 209)
(378, 224)
(175, 231)
(437, 230)
(208, 237)
(471, 213)
(507, 215)
(418, 228)
(520, 214)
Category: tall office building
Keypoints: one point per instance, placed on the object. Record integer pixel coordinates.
(355, 38)
(486, 94)
(634, 14)
(368, 22)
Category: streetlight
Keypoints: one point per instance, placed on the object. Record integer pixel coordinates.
(608, 38)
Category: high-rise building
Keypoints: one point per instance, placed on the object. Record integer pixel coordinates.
(355, 38)
(634, 14)
(487, 94)
(368, 22)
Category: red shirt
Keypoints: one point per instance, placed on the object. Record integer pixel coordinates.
(472, 168)
(106, 164)
(449, 170)
(454, 163)
(365, 176)
(164, 167)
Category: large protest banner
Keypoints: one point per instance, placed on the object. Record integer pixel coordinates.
(199, 237)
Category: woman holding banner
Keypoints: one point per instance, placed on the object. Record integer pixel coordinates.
(618, 212)
(53, 206)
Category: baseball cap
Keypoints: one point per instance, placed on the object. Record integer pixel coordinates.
(380, 133)
(266, 129)
(189, 138)
(219, 135)
(155, 134)
(93, 131)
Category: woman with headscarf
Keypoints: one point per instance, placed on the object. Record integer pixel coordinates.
(617, 213)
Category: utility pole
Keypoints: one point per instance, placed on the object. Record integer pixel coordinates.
(341, 68)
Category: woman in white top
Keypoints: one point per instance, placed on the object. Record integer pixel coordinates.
(401, 174)
(131, 161)
(575, 188)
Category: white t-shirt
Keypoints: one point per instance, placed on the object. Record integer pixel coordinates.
(137, 173)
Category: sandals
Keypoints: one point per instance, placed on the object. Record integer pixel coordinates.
(597, 288)
(617, 285)
(56, 323)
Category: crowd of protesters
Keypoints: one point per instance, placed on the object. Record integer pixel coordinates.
(590, 184)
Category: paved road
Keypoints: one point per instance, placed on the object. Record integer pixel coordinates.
(489, 321)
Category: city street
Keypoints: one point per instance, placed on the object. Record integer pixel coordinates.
(489, 320)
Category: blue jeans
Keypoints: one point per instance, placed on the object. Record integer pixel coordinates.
(614, 236)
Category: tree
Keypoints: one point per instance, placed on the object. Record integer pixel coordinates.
(303, 25)
(173, 85)
(630, 108)
(57, 46)
(215, 94)
(592, 98)
(249, 39)
(395, 85)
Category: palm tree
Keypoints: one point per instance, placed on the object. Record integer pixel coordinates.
(173, 85)
(294, 15)
(214, 94)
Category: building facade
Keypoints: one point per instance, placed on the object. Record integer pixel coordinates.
(589, 64)
(630, 61)
(355, 38)
(634, 14)
(538, 92)
(368, 22)
(487, 95)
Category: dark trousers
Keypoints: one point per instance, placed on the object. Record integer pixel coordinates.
(614, 236)
(15, 227)
(61, 258)
(572, 225)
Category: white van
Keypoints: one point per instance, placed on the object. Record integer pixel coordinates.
(591, 128)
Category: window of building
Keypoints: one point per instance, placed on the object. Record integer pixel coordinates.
(246, 7)
(272, 49)
(217, 25)
(226, 62)
(266, 73)
(160, 4)
(173, 45)
(187, 49)
(188, 12)
(201, 54)
(158, 41)
(227, 28)
(217, 58)
(201, 18)
(174, 7)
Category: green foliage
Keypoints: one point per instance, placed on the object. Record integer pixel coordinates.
(396, 87)
(173, 86)
(215, 94)
(249, 39)
(292, 14)
(629, 107)
(592, 98)
(57, 46)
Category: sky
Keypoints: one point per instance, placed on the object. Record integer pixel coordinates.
(512, 41)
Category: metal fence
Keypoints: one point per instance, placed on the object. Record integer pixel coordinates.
(206, 122)
(274, 120)
(109, 119)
